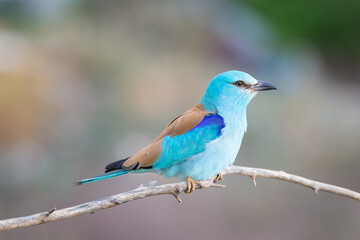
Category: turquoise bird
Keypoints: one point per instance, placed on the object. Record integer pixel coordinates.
(201, 142)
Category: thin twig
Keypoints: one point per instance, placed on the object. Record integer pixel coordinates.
(174, 189)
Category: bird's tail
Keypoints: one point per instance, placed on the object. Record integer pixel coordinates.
(102, 176)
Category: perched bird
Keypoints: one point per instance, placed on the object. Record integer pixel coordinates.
(201, 142)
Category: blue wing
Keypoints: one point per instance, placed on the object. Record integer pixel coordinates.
(180, 147)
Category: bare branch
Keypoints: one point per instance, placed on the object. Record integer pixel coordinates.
(174, 189)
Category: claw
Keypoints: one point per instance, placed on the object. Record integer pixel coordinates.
(218, 177)
(191, 185)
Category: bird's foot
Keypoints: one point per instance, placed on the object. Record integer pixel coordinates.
(191, 185)
(218, 177)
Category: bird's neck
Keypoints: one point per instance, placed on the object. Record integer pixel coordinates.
(235, 119)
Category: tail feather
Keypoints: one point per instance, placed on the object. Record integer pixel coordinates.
(101, 177)
(114, 169)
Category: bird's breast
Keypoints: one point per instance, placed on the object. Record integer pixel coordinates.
(226, 147)
(218, 154)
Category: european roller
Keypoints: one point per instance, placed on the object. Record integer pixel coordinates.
(202, 141)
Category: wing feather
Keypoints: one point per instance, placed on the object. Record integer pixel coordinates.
(180, 147)
(184, 136)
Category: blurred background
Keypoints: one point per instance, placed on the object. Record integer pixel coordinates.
(86, 82)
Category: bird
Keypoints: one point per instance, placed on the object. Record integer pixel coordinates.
(202, 141)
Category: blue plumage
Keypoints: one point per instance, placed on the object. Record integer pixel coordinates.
(213, 120)
(178, 148)
(102, 177)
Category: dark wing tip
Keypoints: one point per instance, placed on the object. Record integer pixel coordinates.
(115, 165)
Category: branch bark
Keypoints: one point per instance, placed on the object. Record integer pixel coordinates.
(174, 189)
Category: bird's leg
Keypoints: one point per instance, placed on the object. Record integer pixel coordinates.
(191, 185)
(218, 177)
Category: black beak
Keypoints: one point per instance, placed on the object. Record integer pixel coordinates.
(262, 86)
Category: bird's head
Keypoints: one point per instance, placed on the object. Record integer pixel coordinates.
(232, 90)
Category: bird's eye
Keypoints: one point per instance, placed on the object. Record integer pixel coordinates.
(239, 83)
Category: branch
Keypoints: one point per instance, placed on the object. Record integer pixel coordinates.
(174, 189)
